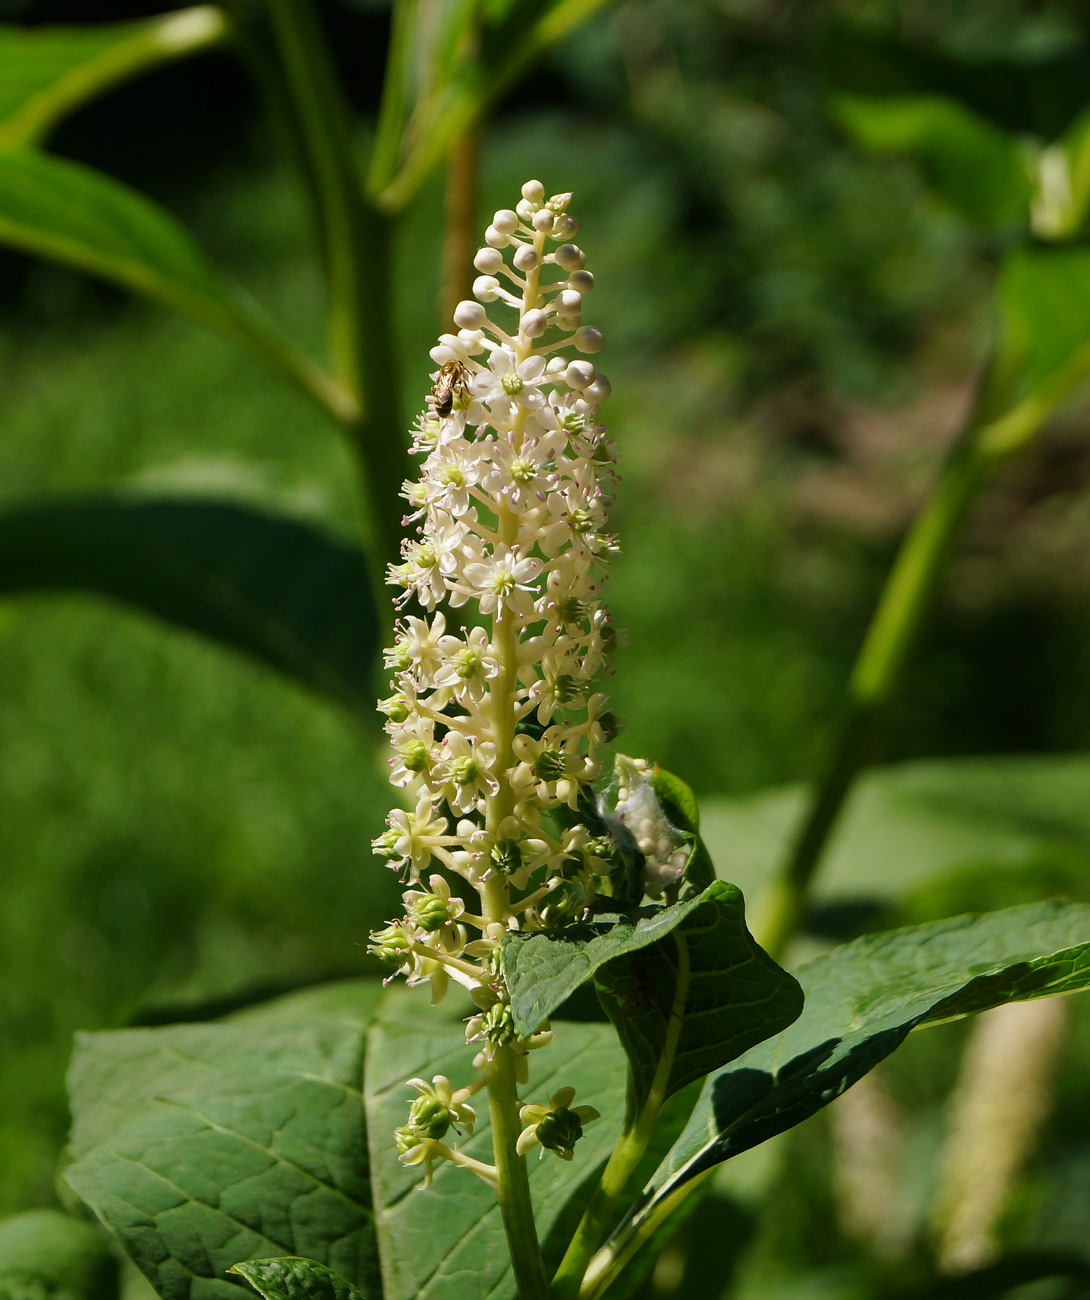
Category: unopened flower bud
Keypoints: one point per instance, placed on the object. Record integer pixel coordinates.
(525, 259)
(470, 315)
(598, 391)
(543, 220)
(525, 209)
(568, 302)
(566, 227)
(569, 257)
(534, 323)
(588, 339)
(559, 202)
(579, 374)
(505, 221)
(534, 192)
(495, 238)
(488, 260)
(486, 288)
(581, 281)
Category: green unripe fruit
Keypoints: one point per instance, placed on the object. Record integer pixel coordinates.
(428, 1117)
(414, 754)
(549, 765)
(506, 856)
(430, 913)
(559, 1131)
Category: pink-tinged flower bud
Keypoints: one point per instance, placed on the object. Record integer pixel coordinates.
(470, 315)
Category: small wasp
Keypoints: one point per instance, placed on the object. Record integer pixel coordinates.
(452, 384)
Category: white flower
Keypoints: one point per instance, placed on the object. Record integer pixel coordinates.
(467, 664)
(502, 581)
(508, 385)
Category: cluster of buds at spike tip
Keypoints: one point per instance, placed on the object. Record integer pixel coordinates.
(494, 719)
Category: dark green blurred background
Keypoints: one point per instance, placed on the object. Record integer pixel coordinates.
(792, 333)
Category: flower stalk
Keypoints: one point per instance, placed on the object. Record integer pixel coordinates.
(495, 725)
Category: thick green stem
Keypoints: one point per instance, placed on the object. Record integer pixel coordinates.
(905, 602)
(629, 1150)
(357, 243)
(513, 1191)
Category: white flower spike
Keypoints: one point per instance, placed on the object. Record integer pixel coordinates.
(494, 721)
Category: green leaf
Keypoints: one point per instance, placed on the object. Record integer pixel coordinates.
(46, 72)
(862, 1000)
(73, 214)
(280, 590)
(699, 998)
(46, 1255)
(1044, 347)
(921, 821)
(544, 969)
(202, 1145)
(971, 164)
(446, 1242)
(293, 1278)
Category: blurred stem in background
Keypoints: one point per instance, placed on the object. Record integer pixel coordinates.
(356, 240)
(906, 601)
(460, 223)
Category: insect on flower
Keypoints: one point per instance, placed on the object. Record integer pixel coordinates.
(452, 383)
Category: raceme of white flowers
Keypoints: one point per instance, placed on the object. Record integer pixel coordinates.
(495, 722)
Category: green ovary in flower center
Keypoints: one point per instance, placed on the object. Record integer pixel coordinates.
(512, 383)
(549, 765)
(464, 770)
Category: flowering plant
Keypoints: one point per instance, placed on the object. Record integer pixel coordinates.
(605, 1032)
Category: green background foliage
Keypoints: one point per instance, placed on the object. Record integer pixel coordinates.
(791, 324)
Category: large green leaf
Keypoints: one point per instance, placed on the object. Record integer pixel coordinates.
(46, 1255)
(46, 72)
(280, 590)
(63, 210)
(699, 998)
(199, 1146)
(975, 167)
(544, 968)
(292, 1278)
(908, 826)
(862, 1000)
(446, 1242)
(1044, 347)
